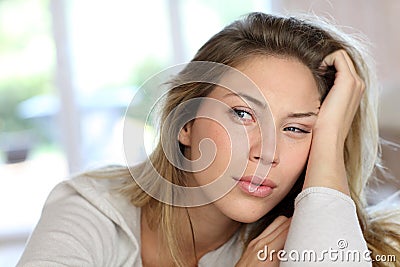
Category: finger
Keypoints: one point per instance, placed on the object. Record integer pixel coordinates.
(279, 241)
(268, 238)
(339, 61)
(272, 227)
(359, 81)
(349, 62)
(346, 72)
(277, 244)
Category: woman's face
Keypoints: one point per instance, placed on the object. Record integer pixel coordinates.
(293, 98)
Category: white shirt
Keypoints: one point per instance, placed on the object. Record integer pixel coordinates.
(86, 222)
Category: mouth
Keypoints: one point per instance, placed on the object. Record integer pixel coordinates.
(255, 185)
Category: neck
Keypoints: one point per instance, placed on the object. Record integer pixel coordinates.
(208, 227)
(211, 228)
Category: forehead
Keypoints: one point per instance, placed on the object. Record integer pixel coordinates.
(283, 82)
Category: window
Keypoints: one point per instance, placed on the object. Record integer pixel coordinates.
(68, 71)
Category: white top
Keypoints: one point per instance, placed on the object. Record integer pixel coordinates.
(85, 222)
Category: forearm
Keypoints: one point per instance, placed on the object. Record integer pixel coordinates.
(325, 231)
(326, 162)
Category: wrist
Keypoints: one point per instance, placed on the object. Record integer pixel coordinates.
(326, 166)
(329, 136)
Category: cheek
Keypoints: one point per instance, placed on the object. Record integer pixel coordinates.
(208, 130)
(294, 157)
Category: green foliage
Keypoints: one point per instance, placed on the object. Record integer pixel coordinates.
(14, 91)
(145, 70)
(20, 21)
(24, 27)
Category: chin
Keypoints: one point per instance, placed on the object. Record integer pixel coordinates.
(246, 211)
(247, 219)
(244, 208)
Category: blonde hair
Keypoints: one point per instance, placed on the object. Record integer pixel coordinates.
(308, 40)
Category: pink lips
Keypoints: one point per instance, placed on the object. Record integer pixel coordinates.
(256, 186)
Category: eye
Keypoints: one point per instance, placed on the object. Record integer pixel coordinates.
(243, 114)
(295, 130)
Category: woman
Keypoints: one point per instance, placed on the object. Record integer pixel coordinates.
(325, 146)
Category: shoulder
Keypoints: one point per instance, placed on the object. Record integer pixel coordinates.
(87, 220)
(102, 194)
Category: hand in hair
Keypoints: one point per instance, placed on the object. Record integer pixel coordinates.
(263, 250)
(326, 162)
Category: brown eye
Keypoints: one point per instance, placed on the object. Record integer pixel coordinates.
(242, 115)
(295, 130)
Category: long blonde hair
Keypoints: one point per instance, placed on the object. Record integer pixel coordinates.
(308, 40)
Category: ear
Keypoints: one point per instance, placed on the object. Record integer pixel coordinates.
(185, 134)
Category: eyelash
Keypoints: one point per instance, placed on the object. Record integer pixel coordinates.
(235, 112)
(296, 130)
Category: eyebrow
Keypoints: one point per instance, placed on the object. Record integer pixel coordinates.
(263, 105)
(248, 98)
(302, 115)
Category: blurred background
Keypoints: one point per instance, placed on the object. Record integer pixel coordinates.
(68, 70)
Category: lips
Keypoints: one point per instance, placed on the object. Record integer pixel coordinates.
(255, 186)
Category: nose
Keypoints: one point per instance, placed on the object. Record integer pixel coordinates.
(264, 148)
(274, 162)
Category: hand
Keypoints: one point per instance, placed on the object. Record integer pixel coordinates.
(337, 112)
(273, 238)
(326, 163)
